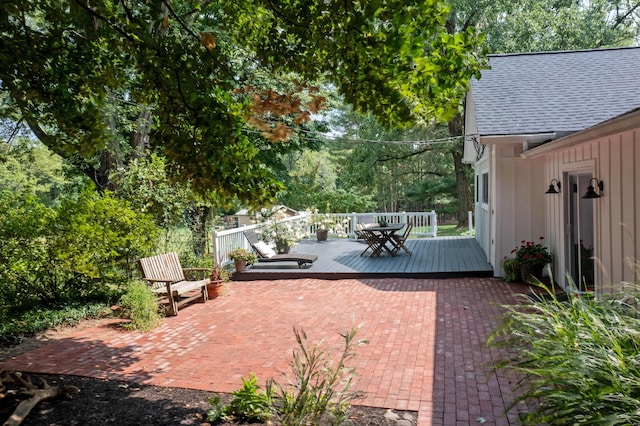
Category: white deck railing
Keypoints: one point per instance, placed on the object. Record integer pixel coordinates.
(425, 224)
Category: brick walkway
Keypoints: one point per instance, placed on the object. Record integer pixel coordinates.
(426, 352)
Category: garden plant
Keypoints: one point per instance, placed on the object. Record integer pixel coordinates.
(574, 358)
(319, 391)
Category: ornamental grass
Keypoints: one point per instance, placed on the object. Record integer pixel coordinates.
(577, 358)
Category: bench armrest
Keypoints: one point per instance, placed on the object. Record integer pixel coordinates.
(160, 280)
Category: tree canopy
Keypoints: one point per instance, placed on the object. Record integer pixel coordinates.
(188, 69)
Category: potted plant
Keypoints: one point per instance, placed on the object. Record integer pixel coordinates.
(241, 257)
(325, 222)
(278, 229)
(217, 279)
(532, 257)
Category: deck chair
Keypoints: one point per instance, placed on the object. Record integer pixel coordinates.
(400, 240)
(373, 243)
(266, 253)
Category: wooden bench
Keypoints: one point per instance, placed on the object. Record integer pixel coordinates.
(167, 279)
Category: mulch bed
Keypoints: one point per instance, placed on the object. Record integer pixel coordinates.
(110, 402)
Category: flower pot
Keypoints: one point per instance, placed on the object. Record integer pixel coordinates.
(322, 234)
(214, 289)
(531, 273)
(282, 247)
(240, 265)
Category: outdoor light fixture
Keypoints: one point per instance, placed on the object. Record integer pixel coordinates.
(591, 190)
(552, 188)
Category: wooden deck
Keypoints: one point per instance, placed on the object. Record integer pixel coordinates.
(340, 259)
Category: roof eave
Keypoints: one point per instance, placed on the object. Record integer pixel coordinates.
(618, 124)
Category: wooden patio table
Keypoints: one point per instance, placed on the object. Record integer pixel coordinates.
(377, 238)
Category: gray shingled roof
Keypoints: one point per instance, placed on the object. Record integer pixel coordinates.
(555, 91)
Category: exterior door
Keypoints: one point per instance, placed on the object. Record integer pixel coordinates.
(579, 238)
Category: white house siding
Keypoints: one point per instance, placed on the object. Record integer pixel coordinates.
(519, 204)
(516, 203)
(614, 159)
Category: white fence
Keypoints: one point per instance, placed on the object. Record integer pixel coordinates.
(425, 224)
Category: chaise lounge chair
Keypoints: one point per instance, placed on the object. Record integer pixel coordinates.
(266, 253)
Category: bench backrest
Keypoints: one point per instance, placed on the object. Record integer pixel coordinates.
(160, 267)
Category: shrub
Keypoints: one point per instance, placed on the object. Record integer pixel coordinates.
(248, 404)
(72, 252)
(577, 359)
(140, 304)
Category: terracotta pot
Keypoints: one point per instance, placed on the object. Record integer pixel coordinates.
(240, 265)
(322, 234)
(214, 289)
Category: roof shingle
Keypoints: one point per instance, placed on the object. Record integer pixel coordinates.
(555, 91)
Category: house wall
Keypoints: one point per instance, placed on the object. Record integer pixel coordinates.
(516, 209)
(614, 159)
(519, 208)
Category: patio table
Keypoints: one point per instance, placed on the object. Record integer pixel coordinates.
(377, 238)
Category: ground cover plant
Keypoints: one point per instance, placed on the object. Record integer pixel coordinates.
(577, 356)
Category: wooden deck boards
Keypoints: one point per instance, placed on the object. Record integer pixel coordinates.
(340, 259)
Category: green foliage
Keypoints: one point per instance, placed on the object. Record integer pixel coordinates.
(29, 167)
(532, 253)
(511, 268)
(144, 183)
(576, 359)
(247, 405)
(73, 251)
(140, 304)
(544, 25)
(320, 389)
(243, 254)
(318, 393)
(16, 323)
(174, 76)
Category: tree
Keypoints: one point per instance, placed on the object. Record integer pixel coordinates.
(64, 62)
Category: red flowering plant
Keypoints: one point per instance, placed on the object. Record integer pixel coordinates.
(532, 254)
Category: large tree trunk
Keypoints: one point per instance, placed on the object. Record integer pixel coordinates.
(463, 174)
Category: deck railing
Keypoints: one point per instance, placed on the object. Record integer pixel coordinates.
(425, 224)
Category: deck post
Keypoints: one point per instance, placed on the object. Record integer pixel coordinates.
(434, 223)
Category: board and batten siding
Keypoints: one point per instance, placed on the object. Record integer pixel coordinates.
(613, 158)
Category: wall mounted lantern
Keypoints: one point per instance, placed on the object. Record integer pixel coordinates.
(591, 190)
(552, 188)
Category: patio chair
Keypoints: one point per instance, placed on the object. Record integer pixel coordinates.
(400, 240)
(360, 227)
(374, 243)
(266, 253)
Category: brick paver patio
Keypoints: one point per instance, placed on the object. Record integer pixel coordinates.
(426, 348)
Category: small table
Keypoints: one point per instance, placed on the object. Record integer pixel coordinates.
(377, 238)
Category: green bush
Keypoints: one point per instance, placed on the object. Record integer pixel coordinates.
(72, 252)
(576, 359)
(248, 404)
(140, 304)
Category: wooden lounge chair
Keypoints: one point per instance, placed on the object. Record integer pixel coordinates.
(266, 253)
(400, 240)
